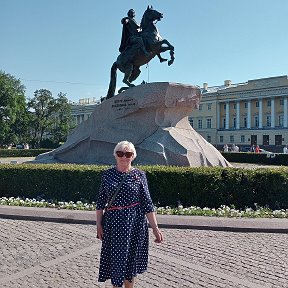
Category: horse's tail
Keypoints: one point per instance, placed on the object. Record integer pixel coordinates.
(113, 78)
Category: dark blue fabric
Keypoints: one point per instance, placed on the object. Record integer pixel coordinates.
(124, 252)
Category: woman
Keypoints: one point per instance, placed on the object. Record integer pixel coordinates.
(124, 229)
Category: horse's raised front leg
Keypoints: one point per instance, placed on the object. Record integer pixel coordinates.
(171, 57)
(171, 47)
(160, 58)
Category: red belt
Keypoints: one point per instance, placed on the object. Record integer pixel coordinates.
(122, 207)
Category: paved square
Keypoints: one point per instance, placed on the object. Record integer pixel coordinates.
(43, 254)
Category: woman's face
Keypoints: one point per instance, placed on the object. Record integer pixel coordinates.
(124, 156)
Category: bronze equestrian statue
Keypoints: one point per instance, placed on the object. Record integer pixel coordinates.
(139, 44)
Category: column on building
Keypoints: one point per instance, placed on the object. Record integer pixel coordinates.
(227, 115)
(238, 114)
(273, 112)
(285, 120)
(218, 112)
(260, 113)
(249, 114)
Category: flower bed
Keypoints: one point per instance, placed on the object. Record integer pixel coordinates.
(222, 211)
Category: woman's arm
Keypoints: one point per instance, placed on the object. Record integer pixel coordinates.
(149, 209)
(99, 216)
(151, 216)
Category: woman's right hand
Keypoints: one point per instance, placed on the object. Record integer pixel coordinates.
(158, 234)
(99, 232)
(99, 218)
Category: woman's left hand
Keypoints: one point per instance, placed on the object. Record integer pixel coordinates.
(159, 236)
(99, 232)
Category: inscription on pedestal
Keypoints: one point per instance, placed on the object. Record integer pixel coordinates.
(124, 104)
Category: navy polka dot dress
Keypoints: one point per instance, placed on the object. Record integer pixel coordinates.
(124, 252)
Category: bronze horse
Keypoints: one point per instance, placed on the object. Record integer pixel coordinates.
(131, 59)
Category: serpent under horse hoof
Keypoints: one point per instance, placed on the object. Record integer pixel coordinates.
(135, 56)
(123, 89)
(125, 81)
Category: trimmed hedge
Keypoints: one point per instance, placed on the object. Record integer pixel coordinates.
(237, 157)
(22, 152)
(257, 158)
(203, 187)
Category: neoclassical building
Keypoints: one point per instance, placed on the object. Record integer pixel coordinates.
(82, 110)
(254, 112)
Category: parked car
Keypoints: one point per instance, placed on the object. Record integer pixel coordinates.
(246, 149)
(19, 146)
(22, 146)
(265, 151)
(268, 153)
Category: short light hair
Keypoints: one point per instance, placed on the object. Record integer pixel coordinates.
(125, 144)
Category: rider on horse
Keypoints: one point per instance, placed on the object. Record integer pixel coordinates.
(134, 45)
(131, 35)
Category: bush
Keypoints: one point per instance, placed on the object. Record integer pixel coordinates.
(205, 186)
(22, 152)
(49, 144)
(257, 158)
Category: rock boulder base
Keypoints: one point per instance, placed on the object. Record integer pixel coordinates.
(154, 117)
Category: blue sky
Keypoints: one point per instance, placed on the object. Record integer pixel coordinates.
(69, 45)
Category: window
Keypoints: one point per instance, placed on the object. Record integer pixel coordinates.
(209, 138)
(200, 107)
(281, 120)
(245, 122)
(234, 122)
(224, 123)
(278, 140)
(200, 124)
(246, 105)
(209, 123)
(253, 140)
(256, 121)
(257, 103)
(242, 138)
(281, 102)
(234, 106)
(268, 120)
(231, 138)
(191, 122)
(224, 106)
(209, 105)
(221, 139)
(269, 103)
(265, 139)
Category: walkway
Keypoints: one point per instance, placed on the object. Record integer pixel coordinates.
(46, 254)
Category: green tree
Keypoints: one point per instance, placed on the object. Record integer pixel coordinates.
(12, 109)
(50, 119)
(63, 119)
(20, 128)
(42, 107)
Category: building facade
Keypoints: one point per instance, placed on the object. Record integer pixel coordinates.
(82, 110)
(245, 114)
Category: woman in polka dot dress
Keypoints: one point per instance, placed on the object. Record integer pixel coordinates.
(124, 229)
